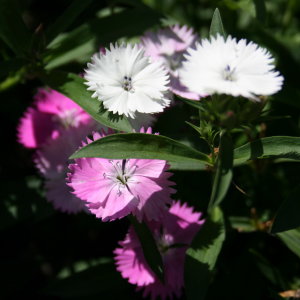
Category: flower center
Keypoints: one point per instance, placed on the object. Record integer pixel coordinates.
(121, 174)
(174, 61)
(165, 241)
(127, 84)
(228, 74)
(67, 118)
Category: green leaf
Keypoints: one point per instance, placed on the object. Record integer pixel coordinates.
(202, 255)
(216, 26)
(291, 239)
(141, 145)
(270, 147)
(223, 175)
(186, 166)
(288, 214)
(12, 28)
(260, 10)
(73, 87)
(193, 103)
(150, 249)
(99, 32)
(67, 18)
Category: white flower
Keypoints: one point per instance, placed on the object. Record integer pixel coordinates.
(127, 81)
(228, 66)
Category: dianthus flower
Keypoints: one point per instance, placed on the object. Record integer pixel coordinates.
(227, 66)
(168, 46)
(113, 189)
(173, 234)
(52, 162)
(126, 81)
(52, 113)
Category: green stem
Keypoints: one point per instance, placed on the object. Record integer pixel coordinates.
(223, 174)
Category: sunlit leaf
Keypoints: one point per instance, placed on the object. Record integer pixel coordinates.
(269, 147)
(141, 145)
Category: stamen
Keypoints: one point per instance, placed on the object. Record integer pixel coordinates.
(121, 173)
(127, 84)
(228, 74)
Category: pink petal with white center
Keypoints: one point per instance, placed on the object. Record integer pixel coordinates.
(50, 115)
(116, 188)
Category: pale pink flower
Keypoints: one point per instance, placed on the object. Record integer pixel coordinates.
(172, 234)
(116, 188)
(52, 160)
(52, 113)
(168, 46)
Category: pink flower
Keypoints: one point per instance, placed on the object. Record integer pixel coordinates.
(52, 113)
(116, 188)
(168, 46)
(52, 161)
(172, 234)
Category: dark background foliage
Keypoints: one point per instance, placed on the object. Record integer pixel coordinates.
(45, 254)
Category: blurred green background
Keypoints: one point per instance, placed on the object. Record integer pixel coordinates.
(46, 254)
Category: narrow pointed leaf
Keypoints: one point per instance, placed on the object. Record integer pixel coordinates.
(12, 28)
(216, 26)
(288, 214)
(73, 87)
(270, 147)
(150, 250)
(202, 255)
(141, 145)
(223, 175)
(193, 103)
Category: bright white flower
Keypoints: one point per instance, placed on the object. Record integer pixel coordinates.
(228, 66)
(127, 81)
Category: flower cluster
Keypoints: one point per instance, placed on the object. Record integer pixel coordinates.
(136, 81)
